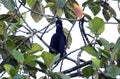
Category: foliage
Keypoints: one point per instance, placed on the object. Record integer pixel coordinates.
(22, 57)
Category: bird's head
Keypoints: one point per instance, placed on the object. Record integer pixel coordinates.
(59, 23)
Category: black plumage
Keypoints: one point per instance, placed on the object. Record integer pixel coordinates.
(58, 40)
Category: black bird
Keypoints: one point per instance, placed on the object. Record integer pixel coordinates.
(58, 40)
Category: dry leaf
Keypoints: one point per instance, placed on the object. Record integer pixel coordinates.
(78, 10)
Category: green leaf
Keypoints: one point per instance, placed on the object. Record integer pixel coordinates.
(118, 55)
(108, 11)
(69, 38)
(117, 45)
(14, 71)
(112, 71)
(50, 4)
(38, 11)
(24, 2)
(53, 75)
(10, 45)
(13, 27)
(21, 20)
(35, 48)
(51, 20)
(18, 56)
(63, 76)
(32, 72)
(61, 3)
(118, 28)
(56, 58)
(103, 61)
(2, 28)
(4, 17)
(87, 3)
(95, 8)
(42, 65)
(96, 25)
(54, 7)
(105, 43)
(1, 69)
(112, 11)
(105, 53)
(30, 2)
(48, 58)
(106, 14)
(59, 12)
(13, 18)
(96, 62)
(18, 76)
(18, 39)
(10, 69)
(50, 1)
(69, 12)
(58, 75)
(87, 16)
(90, 50)
(9, 4)
(30, 59)
(88, 71)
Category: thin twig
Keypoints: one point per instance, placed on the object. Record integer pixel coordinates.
(61, 65)
(46, 29)
(65, 57)
(2, 75)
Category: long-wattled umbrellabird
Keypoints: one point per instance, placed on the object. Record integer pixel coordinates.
(58, 40)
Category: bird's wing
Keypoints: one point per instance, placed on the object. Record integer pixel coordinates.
(62, 44)
(54, 43)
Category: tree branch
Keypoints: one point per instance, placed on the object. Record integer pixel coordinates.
(77, 67)
(75, 75)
